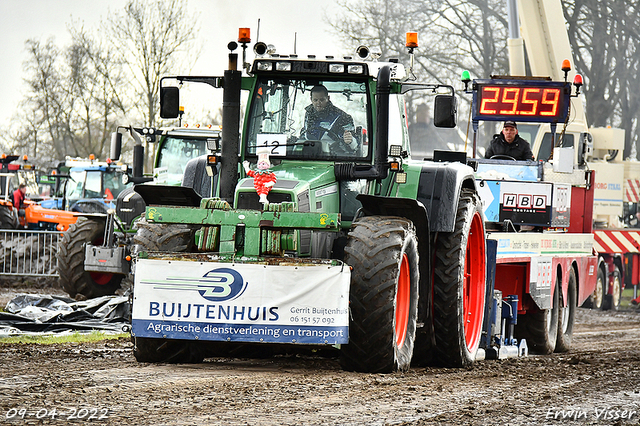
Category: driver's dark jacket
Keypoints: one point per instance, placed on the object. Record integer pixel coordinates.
(316, 123)
(518, 149)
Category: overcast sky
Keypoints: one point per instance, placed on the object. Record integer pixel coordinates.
(280, 20)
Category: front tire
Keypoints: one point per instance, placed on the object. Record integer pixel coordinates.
(459, 286)
(164, 238)
(383, 254)
(567, 316)
(166, 350)
(73, 277)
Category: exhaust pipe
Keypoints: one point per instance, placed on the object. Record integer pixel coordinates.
(383, 89)
(230, 130)
(380, 168)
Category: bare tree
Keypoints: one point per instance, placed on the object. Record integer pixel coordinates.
(151, 36)
(71, 105)
(78, 94)
(44, 103)
(471, 34)
(455, 35)
(605, 38)
(96, 79)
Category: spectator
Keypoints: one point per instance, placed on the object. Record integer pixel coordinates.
(18, 198)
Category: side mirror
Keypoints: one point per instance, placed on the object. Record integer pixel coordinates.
(116, 146)
(444, 112)
(169, 102)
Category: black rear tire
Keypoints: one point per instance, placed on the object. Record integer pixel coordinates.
(8, 219)
(460, 285)
(164, 238)
(383, 254)
(73, 277)
(540, 328)
(567, 316)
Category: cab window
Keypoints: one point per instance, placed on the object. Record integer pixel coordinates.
(545, 147)
(93, 186)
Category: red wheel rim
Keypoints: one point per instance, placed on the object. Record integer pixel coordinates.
(474, 284)
(101, 278)
(403, 298)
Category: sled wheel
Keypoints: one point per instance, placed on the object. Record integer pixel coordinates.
(596, 299)
(540, 328)
(8, 219)
(459, 286)
(164, 238)
(616, 292)
(612, 301)
(383, 254)
(73, 278)
(567, 316)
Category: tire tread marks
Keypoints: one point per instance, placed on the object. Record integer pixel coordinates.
(163, 237)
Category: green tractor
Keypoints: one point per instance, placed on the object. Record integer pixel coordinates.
(329, 236)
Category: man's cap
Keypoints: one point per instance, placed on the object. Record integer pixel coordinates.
(510, 124)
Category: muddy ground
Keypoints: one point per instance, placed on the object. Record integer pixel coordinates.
(598, 382)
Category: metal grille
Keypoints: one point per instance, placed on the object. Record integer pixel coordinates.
(30, 253)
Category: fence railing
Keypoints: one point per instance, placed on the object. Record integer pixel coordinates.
(31, 253)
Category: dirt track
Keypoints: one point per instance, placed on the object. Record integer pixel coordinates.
(593, 384)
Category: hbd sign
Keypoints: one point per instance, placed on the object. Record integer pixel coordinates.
(526, 203)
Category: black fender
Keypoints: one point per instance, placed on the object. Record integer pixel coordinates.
(167, 195)
(439, 188)
(373, 205)
(197, 176)
(129, 206)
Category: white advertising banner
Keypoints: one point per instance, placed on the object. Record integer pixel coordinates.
(530, 244)
(307, 304)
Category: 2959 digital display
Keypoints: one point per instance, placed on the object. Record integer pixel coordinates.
(521, 101)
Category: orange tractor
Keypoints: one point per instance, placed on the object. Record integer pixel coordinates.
(12, 175)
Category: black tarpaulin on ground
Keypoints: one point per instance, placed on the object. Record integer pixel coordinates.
(34, 313)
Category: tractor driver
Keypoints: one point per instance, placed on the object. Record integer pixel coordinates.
(322, 118)
(509, 144)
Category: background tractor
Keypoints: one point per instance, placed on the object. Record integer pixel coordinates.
(94, 254)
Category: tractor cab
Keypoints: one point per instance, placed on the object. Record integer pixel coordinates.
(307, 118)
(97, 182)
(178, 146)
(86, 185)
